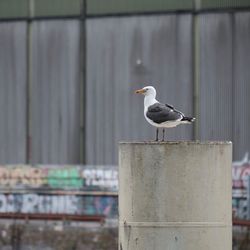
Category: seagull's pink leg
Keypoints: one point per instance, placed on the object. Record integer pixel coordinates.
(163, 134)
(157, 132)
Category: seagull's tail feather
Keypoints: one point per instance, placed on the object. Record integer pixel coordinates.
(188, 119)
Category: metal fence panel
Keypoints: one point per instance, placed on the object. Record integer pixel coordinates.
(128, 53)
(216, 77)
(13, 99)
(55, 92)
(241, 88)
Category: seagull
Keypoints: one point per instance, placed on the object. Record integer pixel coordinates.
(161, 115)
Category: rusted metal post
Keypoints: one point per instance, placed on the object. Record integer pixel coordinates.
(175, 196)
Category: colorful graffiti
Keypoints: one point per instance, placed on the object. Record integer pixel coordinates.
(105, 178)
(86, 178)
(59, 204)
(36, 183)
(240, 176)
(22, 175)
(59, 177)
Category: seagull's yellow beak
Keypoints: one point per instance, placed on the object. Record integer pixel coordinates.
(140, 91)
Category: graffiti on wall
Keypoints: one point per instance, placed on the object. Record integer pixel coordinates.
(59, 204)
(34, 179)
(240, 176)
(21, 175)
(59, 177)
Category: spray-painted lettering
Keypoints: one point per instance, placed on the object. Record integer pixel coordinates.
(240, 175)
(58, 177)
(59, 204)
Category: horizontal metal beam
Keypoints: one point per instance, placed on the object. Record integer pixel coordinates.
(221, 4)
(97, 7)
(56, 8)
(63, 217)
(111, 7)
(14, 8)
(242, 223)
(58, 192)
(18, 9)
(37, 8)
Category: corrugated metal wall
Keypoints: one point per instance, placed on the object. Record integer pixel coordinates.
(163, 45)
(216, 103)
(125, 54)
(55, 95)
(13, 79)
(224, 81)
(241, 84)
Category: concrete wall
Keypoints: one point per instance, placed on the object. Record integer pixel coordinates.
(55, 236)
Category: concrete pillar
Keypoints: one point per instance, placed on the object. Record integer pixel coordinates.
(175, 196)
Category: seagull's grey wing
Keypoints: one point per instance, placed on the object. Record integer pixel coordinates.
(160, 113)
(169, 106)
(172, 107)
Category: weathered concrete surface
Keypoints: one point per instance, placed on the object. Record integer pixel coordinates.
(45, 236)
(175, 196)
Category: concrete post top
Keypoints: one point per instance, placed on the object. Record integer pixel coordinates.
(176, 143)
(175, 195)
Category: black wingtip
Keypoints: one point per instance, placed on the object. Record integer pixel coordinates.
(188, 119)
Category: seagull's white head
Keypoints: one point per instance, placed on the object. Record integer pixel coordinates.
(147, 91)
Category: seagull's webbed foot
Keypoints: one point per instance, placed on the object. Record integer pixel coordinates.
(157, 133)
